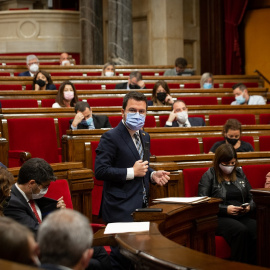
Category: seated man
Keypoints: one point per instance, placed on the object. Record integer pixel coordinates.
(180, 68)
(179, 116)
(32, 63)
(242, 97)
(17, 243)
(134, 82)
(71, 243)
(64, 61)
(84, 119)
(27, 204)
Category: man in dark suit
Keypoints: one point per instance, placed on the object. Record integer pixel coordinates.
(119, 163)
(27, 204)
(134, 82)
(179, 116)
(65, 240)
(84, 119)
(32, 63)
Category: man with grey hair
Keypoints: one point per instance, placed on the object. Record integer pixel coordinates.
(65, 238)
(32, 63)
(134, 82)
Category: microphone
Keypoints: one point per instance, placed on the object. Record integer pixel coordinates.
(146, 152)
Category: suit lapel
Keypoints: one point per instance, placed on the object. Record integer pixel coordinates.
(128, 140)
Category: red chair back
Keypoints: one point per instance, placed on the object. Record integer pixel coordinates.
(150, 121)
(34, 135)
(256, 174)
(10, 87)
(192, 178)
(19, 103)
(104, 102)
(220, 119)
(199, 100)
(192, 85)
(227, 100)
(249, 139)
(63, 126)
(114, 120)
(265, 119)
(264, 142)
(58, 189)
(247, 84)
(208, 142)
(47, 102)
(174, 146)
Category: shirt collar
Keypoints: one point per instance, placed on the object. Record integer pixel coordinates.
(24, 195)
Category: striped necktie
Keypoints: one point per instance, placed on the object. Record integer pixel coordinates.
(138, 145)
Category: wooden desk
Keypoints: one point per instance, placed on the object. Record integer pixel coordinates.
(191, 225)
(262, 199)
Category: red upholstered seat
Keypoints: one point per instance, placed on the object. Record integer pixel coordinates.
(94, 73)
(10, 87)
(90, 86)
(227, 100)
(19, 103)
(220, 119)
(67, 73)
(34, 135)
(256, 174)
(149, 85)
(63, 126)
(249, 139)
(58, 189)
(247, 84)
(47, 102)
(28, 87)
(192, 85)
(265, 119)
(264, 142)
(208, 142)
(199, 100)
(104, 102)
(163, 118)
(115, 120)
(191, 180)
(174, 146)
(2, 74)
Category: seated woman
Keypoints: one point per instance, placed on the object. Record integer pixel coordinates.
(108, 70)
(232, 132)
(207, 81)
(228, 182)
(43, 81)
(66, 96)
(6, 181)
(160, 95)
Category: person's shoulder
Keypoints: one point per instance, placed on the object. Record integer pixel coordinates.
(150, 102)
(246, 146)
(25, 73)
(51, 87)
(234, 102)
(196, 121)
(56, 105)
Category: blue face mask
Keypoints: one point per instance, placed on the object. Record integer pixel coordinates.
(207, 85)
(87, 122)
(135, 121)
(240, 99)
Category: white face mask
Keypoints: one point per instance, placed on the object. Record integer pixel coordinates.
(65, 63)
(182, 117)
(109, 73)
(68, 95)
(34, 68)
(226, 169)
(39, 195)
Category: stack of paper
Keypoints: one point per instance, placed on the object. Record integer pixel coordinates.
(125, 227)
(183, 200)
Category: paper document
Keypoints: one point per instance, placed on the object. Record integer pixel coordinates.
(184, 200)
(124, 227)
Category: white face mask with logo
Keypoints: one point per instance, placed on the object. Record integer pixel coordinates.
(182, 117)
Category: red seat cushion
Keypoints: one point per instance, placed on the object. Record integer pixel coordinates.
(220, 119)
(208, 142)
(265, 119)
(174, 146)
(192, 85)
(58, 189)
(47, 102)
(227, 100)
(63, 126)
(104, 102)
(10, 87)
(264, 142)
(247, 84)
(199, 100)
(34, 135)
(19, 103)
(114, 120)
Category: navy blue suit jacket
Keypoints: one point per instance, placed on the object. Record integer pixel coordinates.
(115, 153)
(19, 209)
(194, 121)
(26, 73)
